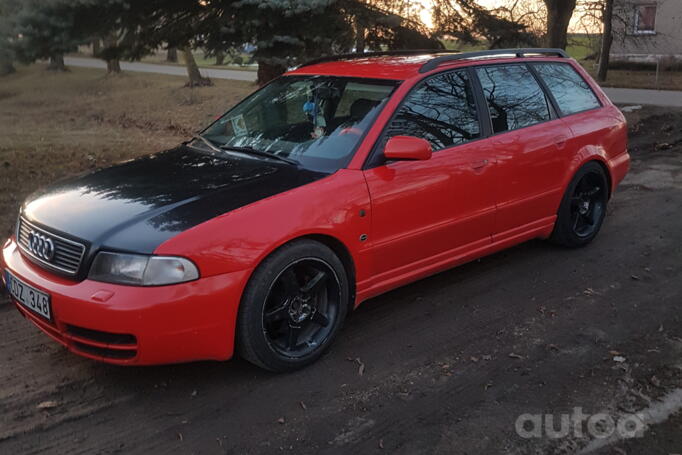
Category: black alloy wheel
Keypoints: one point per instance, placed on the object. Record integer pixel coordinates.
(583, 208)
(588, 204)
(300, 307)
(293, 306)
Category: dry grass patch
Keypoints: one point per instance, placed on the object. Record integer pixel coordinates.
(667, 80)
(55, 125)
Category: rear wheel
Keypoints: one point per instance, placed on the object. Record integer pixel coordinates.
(293, 306)
(583, 207)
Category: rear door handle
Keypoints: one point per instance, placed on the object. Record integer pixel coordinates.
(478, 165)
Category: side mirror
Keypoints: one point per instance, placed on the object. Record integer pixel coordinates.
(407, 148)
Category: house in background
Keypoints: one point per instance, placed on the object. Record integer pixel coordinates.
(647, 31)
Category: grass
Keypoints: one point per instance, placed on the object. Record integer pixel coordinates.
(54, 125)
(667, 80)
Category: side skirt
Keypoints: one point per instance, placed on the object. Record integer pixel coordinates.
(403, 275)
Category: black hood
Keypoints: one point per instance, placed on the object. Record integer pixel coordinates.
(137, 205)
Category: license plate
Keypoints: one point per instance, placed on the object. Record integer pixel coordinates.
(28, 296)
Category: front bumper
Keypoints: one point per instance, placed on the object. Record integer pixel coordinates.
(135, 325)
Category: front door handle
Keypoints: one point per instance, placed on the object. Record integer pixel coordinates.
(478, 165)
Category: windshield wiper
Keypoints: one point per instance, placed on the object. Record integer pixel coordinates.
(255, 151)
(207, 142)
(251, 150)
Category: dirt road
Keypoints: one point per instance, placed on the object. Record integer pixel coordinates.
(445, 365)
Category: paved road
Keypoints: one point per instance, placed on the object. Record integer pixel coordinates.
(172, 70)
(618, 95)
(639, 96)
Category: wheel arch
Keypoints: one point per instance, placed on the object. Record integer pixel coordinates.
(607, 172)
(343, 253)
(596, 158)
(337, 246)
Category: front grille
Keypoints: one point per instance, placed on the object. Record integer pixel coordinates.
(68, 254)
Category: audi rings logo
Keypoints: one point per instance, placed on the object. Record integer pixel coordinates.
(41, 245)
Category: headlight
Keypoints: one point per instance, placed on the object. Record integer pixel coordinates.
(140, 270)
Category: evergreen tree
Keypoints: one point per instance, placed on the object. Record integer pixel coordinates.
(44, 30)
(285, 33)
(7, 36)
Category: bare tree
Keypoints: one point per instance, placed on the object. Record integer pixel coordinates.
(606, 40)
(601, 15)
(559, 13)
(530, 13)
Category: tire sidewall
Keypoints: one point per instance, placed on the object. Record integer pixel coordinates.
(563, 231)
(252, 340)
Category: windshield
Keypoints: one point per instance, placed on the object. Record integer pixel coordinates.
(317, 121)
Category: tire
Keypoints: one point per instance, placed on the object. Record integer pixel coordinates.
(582, 208)
(293, 307)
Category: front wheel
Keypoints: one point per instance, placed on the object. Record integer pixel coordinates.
(293, 306)
(583, 207)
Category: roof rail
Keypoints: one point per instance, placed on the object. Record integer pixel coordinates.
(437, 61)
(359, 55)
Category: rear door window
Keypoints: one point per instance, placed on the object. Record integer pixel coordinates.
(569, 89)
(515, 99)
(441, 109)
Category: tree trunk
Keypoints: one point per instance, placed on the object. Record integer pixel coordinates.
(559, 14)
(172, 55)
(6, 67)
(359, 36)
(268, 71)
(113, 66)
(110, 52)
(56, 63)
(219, 58)
(96, 47)
(195, 77)
(606, 40)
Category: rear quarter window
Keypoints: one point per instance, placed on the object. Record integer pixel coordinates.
(515, 99)
(571, 92)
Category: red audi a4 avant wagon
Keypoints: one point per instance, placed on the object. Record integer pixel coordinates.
(340, 180)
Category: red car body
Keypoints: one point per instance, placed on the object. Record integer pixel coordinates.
(391, 225)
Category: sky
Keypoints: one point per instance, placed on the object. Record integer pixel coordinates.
(426, 14)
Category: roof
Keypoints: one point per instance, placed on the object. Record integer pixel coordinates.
(397, 67)
(401, 65)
